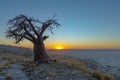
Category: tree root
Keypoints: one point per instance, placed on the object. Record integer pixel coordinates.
(48, 61)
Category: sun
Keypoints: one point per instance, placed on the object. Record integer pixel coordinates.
(58, 47)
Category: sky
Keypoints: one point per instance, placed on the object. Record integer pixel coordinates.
(86, 24)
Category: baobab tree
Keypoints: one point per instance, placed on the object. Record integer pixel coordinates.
(23, 27)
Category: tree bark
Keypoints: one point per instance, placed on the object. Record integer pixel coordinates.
(40, 54)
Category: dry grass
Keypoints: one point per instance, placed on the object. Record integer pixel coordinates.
(72, 63)
(2, 66)
(5, 57)
(29, 65)
(9, 76)
(102, 76)
(12, 61)
(12, 58)
(76, 65)
(15, 57)
(50, 73)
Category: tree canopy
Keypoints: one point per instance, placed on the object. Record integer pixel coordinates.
(23, 27)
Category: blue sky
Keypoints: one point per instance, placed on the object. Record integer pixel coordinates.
(85, 23)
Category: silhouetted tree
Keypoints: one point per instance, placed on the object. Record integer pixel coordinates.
(23, 27)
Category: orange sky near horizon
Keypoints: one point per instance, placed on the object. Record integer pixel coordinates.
(67, 45)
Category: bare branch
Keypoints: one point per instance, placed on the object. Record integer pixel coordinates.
(29, 20)
(22, 27)
(11, 34)
(45, 37)
(28, 33)
(18, 40)
(49, 24)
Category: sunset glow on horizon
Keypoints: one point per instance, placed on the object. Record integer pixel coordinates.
(59, 47)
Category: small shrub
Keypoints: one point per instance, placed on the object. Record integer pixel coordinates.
(61, 68)
(29, 65)
(6, 57)
(102, 76)
(7, 65)
(9, 76)
(12, 61)
(50, 73)
(108, 77)
(2, 66)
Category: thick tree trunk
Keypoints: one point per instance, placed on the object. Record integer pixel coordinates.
(40, 54)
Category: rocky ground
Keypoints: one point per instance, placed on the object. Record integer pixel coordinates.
(21, 67)
(13, 72)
